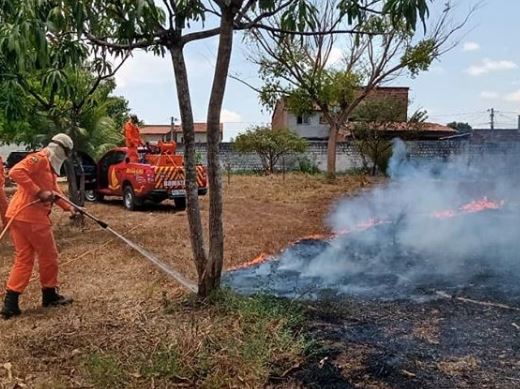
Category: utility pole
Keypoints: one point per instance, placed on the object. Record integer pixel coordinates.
(492, 118)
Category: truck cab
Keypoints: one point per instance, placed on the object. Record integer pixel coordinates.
(159, 175)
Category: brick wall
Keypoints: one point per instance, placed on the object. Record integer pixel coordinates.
(349, 158)
(397, 95)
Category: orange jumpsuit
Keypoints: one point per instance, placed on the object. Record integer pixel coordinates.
(132, 140)
(3, 197)
(31, 230)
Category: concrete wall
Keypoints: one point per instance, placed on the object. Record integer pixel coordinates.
(313, 129)
(5, 150)
(152, 137)
(348, 158)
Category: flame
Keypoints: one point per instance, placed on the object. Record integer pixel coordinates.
(324, 236)
(481, 205)
(474, 206)
(263, 257)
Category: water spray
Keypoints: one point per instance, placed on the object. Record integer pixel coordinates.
(145, 253)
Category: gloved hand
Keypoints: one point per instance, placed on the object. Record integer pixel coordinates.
(46, 196)
(74, 214)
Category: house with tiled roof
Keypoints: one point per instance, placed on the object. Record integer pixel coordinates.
(163, 132)
(314, 127)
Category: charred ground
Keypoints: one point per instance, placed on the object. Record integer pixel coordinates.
(402, 344)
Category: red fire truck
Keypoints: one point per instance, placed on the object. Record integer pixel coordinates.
(158, 176)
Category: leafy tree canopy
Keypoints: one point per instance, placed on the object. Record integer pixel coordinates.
(460, 126)
(269, 144)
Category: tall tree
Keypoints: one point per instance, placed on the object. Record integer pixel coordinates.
(56, 72)
(376, 122)
(96, 127)
(304, 73)
(167, 27)
(71, 100)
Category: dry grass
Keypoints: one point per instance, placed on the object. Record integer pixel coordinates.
(456, 366)
(118, 332)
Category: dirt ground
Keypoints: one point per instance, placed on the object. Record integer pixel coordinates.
(119, 295)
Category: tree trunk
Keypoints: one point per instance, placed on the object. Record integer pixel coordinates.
(211, 279)
(192, 196)
(81, 188)
(74, 194)
(331, 152)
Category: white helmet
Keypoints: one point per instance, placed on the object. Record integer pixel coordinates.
(60, 148)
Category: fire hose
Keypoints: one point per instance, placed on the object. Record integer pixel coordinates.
(152, 258)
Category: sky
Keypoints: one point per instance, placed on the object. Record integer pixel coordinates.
(480, 73)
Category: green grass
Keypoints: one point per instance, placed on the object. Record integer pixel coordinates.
(228, 340)
(249, 340)
(165, 362)
(105, 371)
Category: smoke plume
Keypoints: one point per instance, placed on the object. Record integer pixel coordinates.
(451, 223)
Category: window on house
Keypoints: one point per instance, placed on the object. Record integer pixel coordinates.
(303, 119)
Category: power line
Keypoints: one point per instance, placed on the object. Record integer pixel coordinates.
(457, 114)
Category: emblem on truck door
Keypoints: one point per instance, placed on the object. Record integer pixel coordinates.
(114, 182)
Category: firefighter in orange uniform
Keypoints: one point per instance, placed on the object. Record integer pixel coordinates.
(132, 138)
(3, 197)
(31, 230)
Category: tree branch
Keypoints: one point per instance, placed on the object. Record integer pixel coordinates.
(125, 46)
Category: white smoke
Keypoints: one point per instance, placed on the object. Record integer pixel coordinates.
(411, 243)
(409, 252)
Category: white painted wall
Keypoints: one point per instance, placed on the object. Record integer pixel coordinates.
(312, 130)
(6, 149)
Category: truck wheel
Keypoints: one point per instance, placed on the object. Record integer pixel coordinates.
(91, 195)
(129, 200)
(180, 202)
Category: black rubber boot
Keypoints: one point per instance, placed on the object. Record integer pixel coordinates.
(11, 307)
(51, 298)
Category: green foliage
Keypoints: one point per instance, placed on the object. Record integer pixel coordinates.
(373, 118)
(105, 370)
(198, 158)
(269, 144)
(418, 58)
(419, 116)
(165, 362)
(117, 109)
(374, 149)
(258, 307)
(34, 115)
(460, 126)
(307, 166)
(230, 336)
(379, 111)
(409, 10)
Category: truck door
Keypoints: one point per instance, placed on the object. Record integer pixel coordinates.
(111, 170)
